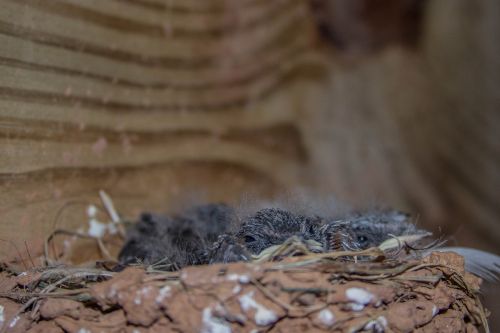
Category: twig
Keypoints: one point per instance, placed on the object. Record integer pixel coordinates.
(110, 208)
(61, 210)
(100, 244)
(29, 254)
(113, 214)
(103, 249)
(63, 293)
(17, 250)
(306, 311)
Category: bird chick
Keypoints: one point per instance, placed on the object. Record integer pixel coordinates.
(212, 233)
(176, 241)
(272, 226)
(364, 230)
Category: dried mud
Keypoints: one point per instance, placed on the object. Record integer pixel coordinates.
(431, 295)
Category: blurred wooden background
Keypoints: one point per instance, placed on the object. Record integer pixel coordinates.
(388, 102)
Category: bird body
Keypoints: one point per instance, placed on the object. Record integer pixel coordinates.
(214, 233)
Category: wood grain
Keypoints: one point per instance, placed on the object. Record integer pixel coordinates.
(150, 101)
(161, 101)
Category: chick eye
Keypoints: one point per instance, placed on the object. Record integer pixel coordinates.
(249, 239)
(362, 239)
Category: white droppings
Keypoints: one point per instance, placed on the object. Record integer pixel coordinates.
(236, 289)
(244, 279)
(263, 316)
(14, 321)
(326, 317)
(377, 325)
(138, 298)
(164, 293)
(435, 310)
(96, 228)
(139, 293)
(91, 211)
(232, 277)
(382, 320)
(359, 296)
(240, 278)
(23, 274)
(2, 317)
(356, 307)
(213, 324)
(84, 330)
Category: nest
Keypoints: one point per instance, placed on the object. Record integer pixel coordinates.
(297, 294)
(286, 288)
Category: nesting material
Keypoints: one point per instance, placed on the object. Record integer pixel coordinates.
(311, 293)
(287, 287)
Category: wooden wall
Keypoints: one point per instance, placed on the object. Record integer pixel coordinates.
(148, 100)
(157, 101)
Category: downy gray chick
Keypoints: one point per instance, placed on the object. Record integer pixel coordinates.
(213, 233)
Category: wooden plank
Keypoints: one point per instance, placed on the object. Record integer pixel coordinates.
(103, 95)
(156, 100)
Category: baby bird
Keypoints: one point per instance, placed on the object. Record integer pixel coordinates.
(176, 241)
(213, 233)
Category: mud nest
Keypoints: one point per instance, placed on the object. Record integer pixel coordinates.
(286, 288)
(311, 293)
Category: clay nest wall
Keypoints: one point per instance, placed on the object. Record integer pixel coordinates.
(312, 293)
